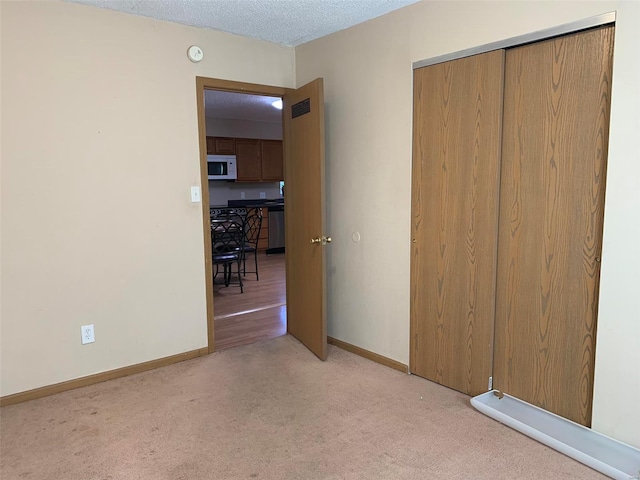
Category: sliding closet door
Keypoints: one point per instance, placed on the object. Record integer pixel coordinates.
(554, 155)
(456, 153)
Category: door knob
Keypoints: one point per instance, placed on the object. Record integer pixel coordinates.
(323, 240)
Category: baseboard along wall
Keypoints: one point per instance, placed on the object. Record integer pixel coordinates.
(374, 357)
(99, 377)
(162, 362)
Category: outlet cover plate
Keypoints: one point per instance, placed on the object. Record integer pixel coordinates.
(88, 334)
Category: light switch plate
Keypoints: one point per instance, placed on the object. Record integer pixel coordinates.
(195, 195)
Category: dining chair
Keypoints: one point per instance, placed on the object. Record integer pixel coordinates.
(253, 225)
(227, 246)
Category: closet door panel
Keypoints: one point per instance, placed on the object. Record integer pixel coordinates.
(555, 140)
(457, 118)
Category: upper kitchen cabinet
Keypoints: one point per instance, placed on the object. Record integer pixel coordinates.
(259, 160)
(221, 146)
(272, 163)
(248, 160)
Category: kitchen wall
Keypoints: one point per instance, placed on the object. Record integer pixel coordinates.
(367, 72)
(228, 127)
(221, 191)
(97, 223)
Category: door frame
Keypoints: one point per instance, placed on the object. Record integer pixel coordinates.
(202, 84)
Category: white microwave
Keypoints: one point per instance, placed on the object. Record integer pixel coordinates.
(221, 167)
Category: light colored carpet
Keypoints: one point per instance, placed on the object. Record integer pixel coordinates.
(270, 410)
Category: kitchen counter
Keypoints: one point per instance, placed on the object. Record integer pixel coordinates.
(262, 202)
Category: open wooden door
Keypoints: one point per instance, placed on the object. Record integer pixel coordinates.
(304, 216)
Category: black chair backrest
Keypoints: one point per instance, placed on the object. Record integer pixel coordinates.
(227, 237)
(253, 225)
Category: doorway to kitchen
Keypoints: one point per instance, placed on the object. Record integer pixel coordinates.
(245, 129)
(258, 313)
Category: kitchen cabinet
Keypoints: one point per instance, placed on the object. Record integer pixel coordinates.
(221, 146)
(259, 160)
(248, 161)
(263, 239)
(272, 160)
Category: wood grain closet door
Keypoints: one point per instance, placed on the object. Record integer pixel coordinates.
(554, 153)
(456, 152)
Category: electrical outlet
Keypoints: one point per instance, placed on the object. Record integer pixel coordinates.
(88, 335)
(241, 195)
(263, 195)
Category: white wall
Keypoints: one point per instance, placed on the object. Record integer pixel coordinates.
(97, 223)
(617, 382)
(368, 95)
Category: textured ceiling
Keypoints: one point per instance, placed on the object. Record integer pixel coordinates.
(287, 22)
(241, 106)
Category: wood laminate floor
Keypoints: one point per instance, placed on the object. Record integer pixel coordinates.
(258, 313)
